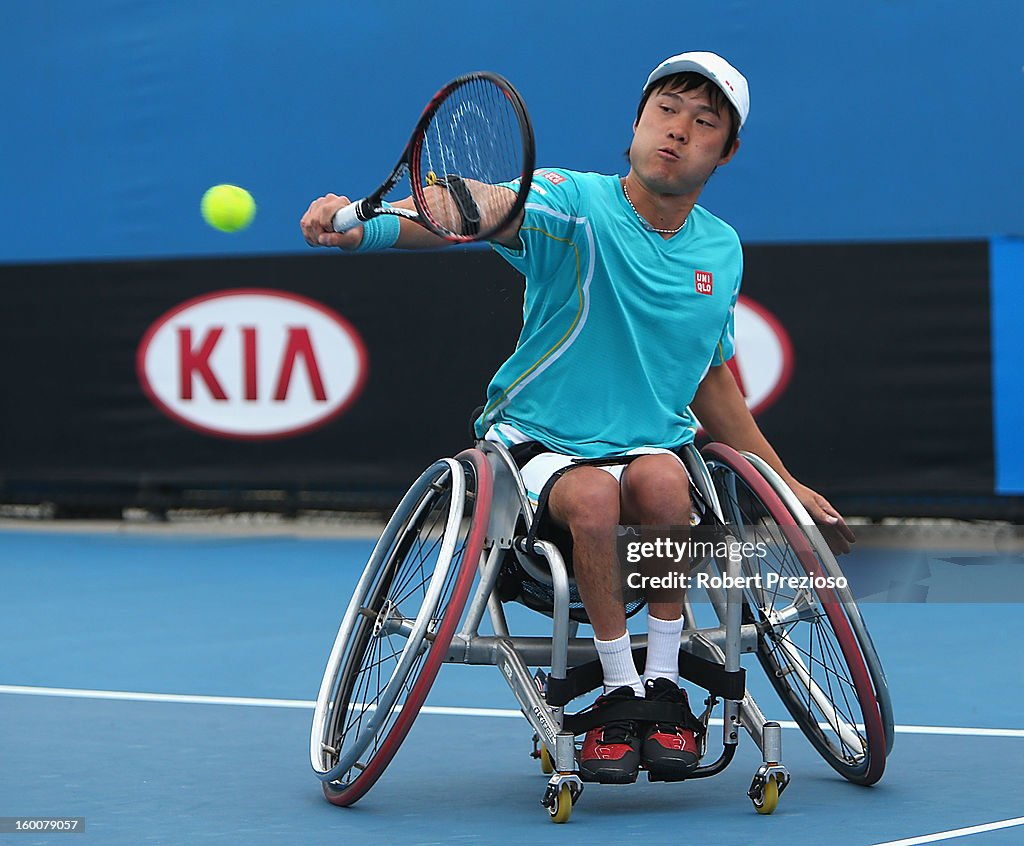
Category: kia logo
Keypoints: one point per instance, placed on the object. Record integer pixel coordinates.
(764, 356)
(251, 364)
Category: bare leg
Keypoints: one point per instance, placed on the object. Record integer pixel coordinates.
(586, 501)
(656, 492)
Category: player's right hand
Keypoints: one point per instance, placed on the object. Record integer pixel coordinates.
(317, 229)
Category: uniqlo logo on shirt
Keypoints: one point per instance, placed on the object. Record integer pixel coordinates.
(553, 178)
(702, 281)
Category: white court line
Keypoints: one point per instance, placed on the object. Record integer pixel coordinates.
(441, 710)
(189, 699)
(132, 696)
(956, 832)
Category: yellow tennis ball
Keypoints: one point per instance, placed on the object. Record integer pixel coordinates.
(228, 207)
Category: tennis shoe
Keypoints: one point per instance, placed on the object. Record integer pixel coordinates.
(611, 753)
(670, 752)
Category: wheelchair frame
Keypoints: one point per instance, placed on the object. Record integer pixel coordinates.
(500, 507)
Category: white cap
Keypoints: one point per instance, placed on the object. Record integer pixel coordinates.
(715, 68)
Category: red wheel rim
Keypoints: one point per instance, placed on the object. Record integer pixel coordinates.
(832, 605)
(351, 793)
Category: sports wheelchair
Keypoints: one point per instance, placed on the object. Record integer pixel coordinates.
(468, 520)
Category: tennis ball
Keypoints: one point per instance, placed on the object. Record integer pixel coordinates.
(228, 207)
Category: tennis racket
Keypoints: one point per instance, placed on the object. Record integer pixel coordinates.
(473, 134)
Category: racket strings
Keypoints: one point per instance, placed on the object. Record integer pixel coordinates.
(474, 141)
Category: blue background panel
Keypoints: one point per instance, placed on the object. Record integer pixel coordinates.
(1007, 280)
(872, 121)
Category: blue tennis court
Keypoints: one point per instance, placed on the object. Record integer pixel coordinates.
(159, 684)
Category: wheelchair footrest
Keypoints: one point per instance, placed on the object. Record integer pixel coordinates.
(709, 675)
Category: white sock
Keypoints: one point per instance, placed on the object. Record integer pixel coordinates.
(663, 649)
(617, 664)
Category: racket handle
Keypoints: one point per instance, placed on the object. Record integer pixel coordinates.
(349, 216)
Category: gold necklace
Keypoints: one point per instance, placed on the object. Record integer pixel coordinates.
(647, 225)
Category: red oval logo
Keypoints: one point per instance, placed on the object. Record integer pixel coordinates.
(251, 364)
(763, 362)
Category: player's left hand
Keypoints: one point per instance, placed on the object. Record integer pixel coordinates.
(838, 535)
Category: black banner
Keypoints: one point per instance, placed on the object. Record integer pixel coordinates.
(891, 390)
(888, 395)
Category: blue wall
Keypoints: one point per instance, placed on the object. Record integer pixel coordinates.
(878, 120)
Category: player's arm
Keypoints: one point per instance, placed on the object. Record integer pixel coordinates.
(493, 203)
(723, 412)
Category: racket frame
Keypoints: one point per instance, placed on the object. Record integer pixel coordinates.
(361, 211)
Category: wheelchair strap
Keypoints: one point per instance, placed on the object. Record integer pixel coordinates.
(638, 710)
(711, 676)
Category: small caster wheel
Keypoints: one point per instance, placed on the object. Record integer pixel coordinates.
(768, 800)
(547, 766)
(562, 808)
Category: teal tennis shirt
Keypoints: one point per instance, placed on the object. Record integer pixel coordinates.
(619, 324)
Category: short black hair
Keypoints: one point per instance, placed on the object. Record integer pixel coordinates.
(693, 81)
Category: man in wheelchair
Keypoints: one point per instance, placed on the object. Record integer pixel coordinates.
(629, 306)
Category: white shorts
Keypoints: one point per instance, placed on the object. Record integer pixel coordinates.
(536, 472)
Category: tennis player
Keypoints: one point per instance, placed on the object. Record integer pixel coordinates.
(631, 289)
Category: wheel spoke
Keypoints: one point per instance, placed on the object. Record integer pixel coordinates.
(380, 676)
(814, 657)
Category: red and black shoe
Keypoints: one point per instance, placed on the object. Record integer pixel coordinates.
(670, 752)
(611, 753)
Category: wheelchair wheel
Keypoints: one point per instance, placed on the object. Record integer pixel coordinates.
(830, 565)
(399, 624)
(813, 658)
